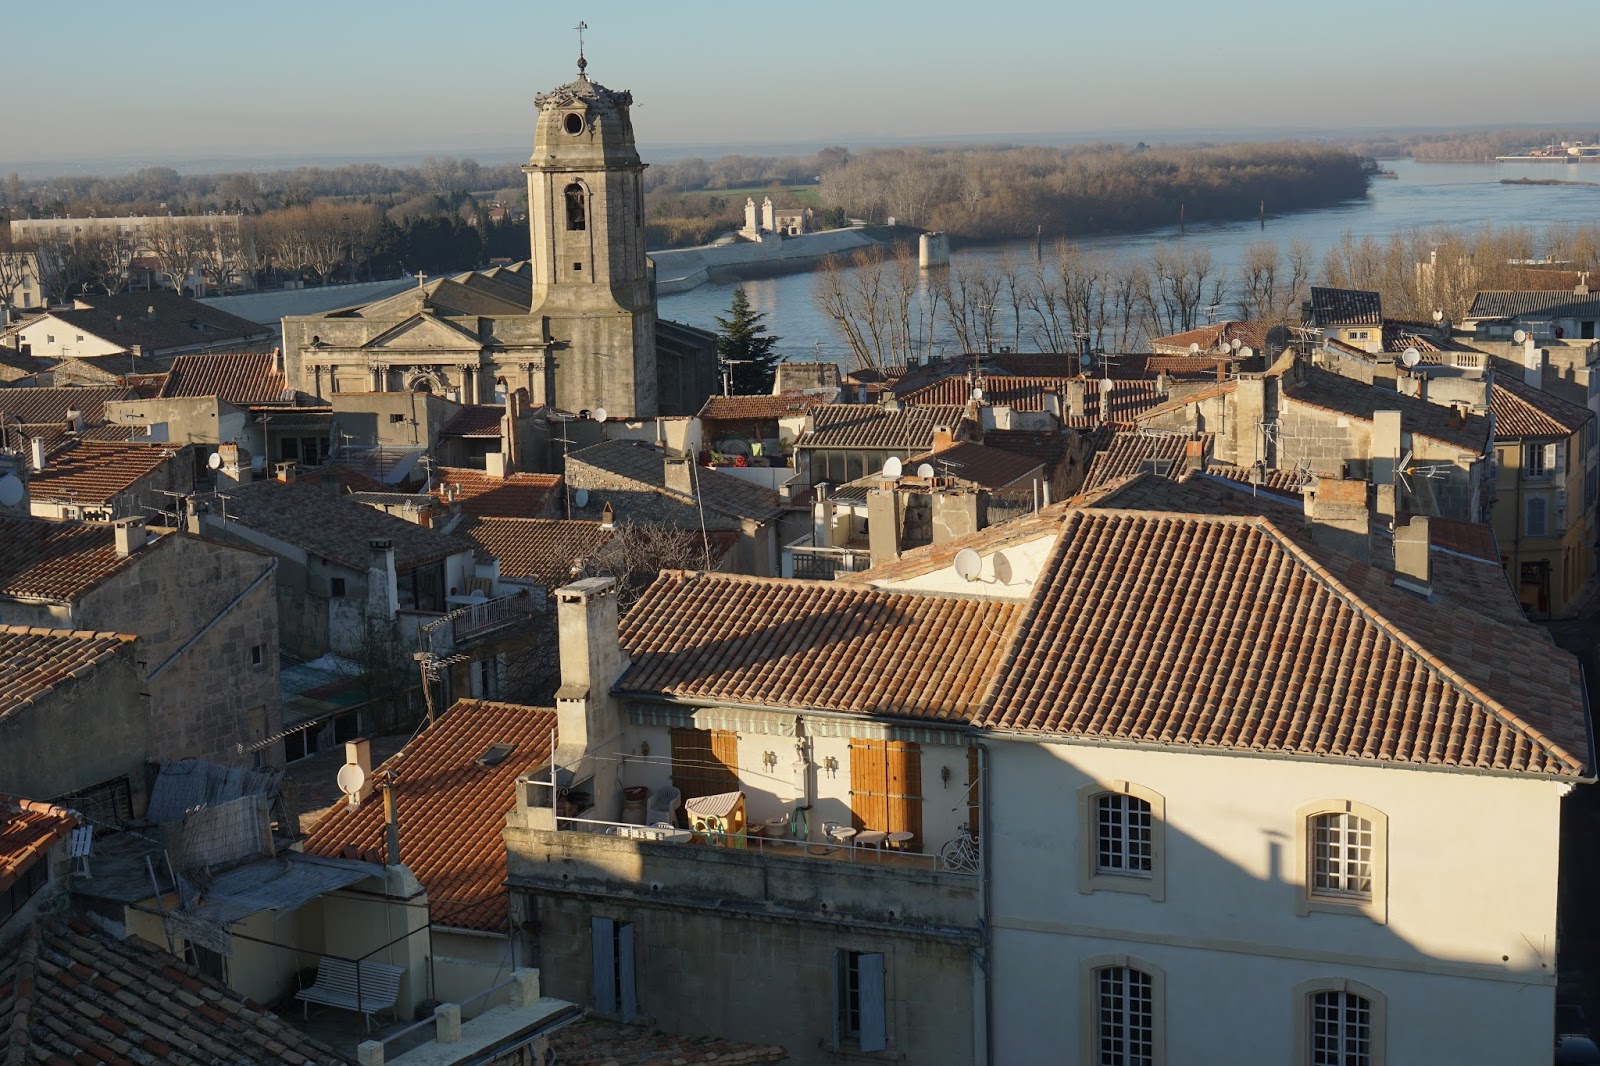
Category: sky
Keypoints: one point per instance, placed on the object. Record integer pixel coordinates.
(185, 81)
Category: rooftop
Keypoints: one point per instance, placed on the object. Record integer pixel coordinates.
(986, 465)
(56, 560)
(1345, 307)
(1520, 410)
(28, 830)
(243, 379)
(37, 407)
(452, 808)
(95, 471)
(157, 320)
(71, 994)
(1018, 393)
(1209, 338)
(874, 427)
(645, 465)
(513, 496)
(1342, 395)
(475, 420)
(34, 661)
(1525, 303)
(302, 514)
(1130, 452)
(760, 408)
(546, 551)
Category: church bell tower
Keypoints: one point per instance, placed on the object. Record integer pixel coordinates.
(591, 280)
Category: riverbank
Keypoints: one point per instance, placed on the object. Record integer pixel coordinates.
(682, 269)
(1545, 181)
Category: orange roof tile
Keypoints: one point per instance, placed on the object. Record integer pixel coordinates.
(873, 426)
(758, 408)
(242, 379)
(56, 560)
(34, 661)
(819, 644)
(28, 830)
(475, 420)
(95, 471)
(1019, 393)
(1250, 334)
(1128, 453)
(451, 808)
(1520, 410)
(547, 551)
(513, 496)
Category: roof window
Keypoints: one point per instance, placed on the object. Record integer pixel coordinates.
(496, 754)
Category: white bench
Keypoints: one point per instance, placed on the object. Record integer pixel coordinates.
(335, 986)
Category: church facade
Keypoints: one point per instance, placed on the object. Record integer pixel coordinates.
(575, 324)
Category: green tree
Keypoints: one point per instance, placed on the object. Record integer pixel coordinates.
(742, 342)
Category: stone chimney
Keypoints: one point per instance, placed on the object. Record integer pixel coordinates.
(1336, 511)
(74, 421)
(37, 445)
(383, 586)
(588, 717)
(1075, 390)
(956, 513)
(1163, 383)
(130, 536)
(1052, 403)
(883, 525)
(1413, 565)
(1532, 364)
(608, 516)
(1385, 447)
(285, 472)
(494, 464)
(329, 481)
(235, 468)
(678, 473)
(277, 360)
(943, 439)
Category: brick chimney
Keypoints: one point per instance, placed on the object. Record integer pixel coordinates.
(588, 717)
(130, 536)
(1336, 511)
(1413, 565)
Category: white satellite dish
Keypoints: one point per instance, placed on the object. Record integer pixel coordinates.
(214, 460)
(1194, 348)
(599, 414)
(1247, 353)
(977, 394)
(581, 497)
(892, 467)
(1519, 336)
(1410, 357)
(925, 470)
(11, 491)
(1086, 361)
(968, 564)
(351, 778)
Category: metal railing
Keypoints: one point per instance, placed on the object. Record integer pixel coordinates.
(444, 634)
(805, 560)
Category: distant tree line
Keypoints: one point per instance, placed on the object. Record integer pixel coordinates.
(1466, 146)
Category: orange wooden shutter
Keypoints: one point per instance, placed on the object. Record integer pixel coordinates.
(705, 762)
(905, 790)
(971, 797)
(886, 787)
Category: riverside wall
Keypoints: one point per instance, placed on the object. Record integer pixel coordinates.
(682, 269)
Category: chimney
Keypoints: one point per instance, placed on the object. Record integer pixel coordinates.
(1336, 511)
(1106, 387)
(277, 360)
(1532, 364)
(677, 473)
(1384, 374)
(285, 472)
(943, 439)
(1052, 403)
(956, 513)
(608, 517)
(1413, 566)
(234, 468)
(883, 525)
(329, 481)
(38, 453)
(494, 464)
(358, 753)
(150, 311)
(1163, 383)
(588, 717)
(1075, 391)
(74, 421)
(391, 822)
(130, 536)
(1385, 449)
(383, 586)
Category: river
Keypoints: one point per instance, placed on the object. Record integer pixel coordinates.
(1463, 195)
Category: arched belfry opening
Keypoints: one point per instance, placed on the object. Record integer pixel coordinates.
(576, 207)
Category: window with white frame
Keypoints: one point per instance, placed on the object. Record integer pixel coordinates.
(1122, 833)
(1339, 1023)
(1344, 845)
(1538, 459)
(1124, 1017)
(1536, 516)
(860, 1014)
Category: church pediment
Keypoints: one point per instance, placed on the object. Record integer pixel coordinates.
(424, 333)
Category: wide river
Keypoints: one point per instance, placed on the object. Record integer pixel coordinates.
(1463, 195)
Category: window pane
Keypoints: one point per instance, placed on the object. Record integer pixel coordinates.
(1122, 834)
(1341, 1029)
(1341, 855)
(1125, 1027)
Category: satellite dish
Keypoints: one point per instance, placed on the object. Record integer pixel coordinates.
(892, 467)
(968, 564)
(1410, 357)
(581, 497)
(1247, 353)
(1519, 336)
(977, 393)
(214, 460)
(11, 491)
(1194, 348)
(925, 470)
(599, 414)
(1086, 361)
(351, 778)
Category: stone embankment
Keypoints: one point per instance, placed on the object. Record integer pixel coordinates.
(681, 269)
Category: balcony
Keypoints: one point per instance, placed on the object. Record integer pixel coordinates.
(446, 634)
(802, 558)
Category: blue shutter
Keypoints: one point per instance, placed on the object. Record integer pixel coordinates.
(605, 966)
(838, 997)
(626, 989)
(874, 1030)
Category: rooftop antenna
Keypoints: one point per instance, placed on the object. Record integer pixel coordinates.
(583, 64)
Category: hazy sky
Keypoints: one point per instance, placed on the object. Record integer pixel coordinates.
(181, 79)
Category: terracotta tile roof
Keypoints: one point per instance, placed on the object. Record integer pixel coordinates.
(243, 379)
(451, 808)
(824, 645)
(1193, 493)
(1304, 653)
(28, 830)
(1475, 539)
(93, 471)
(300, 513)
(931, 558)
(1018, 393)
(986, 465)
(475, 420)
(645, 465)
(1130, 401)
(1028, 364)
(34, 661)
(1540, 279)
(1130, 452)
(353, 479)
(1520, 410)
(870, 426)
(178, 322)
(1398, 335)
(56, 560)
(1535, 303)
(546, 551)
(1249, 334)
(1341, 395)
(72, 994)
(514, 496)
(594, 1042)
(1345, 307)
(757, 408)
(49, 407)
(1048, 448)
(1284, 482)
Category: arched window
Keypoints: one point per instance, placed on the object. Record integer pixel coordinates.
(576, 207)
(1343, 846)
(1124, 1013)
(1339, 1023)
(1122, 834)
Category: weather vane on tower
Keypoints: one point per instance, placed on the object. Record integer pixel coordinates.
(583, 64)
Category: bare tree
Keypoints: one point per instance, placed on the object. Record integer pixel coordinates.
(15, 266)
(637, 552)
(108, 256)
(175, 247)
(874, 305)
(62, 267)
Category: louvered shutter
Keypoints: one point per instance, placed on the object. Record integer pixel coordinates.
(602, 942)
(886, 787)
(874, 1016)
(627, 989)
(705, 762)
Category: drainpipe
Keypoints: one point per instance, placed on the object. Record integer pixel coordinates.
(986, 903)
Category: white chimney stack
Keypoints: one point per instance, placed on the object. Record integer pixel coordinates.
(130, 536)
(1532, 364)
(38, 453)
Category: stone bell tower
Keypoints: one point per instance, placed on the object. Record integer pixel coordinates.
(591, 281)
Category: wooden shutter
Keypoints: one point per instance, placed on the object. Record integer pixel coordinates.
(874, 1016)
(886, 787)
(601, 935)
(705, 762)
(627, 989)
(973, 797)
(841, 959)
